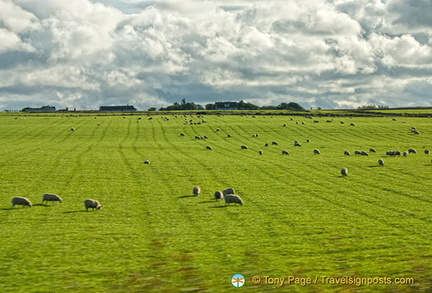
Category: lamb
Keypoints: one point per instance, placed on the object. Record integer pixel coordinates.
(344, 172)
(228, 191)
(51, 197)
(381, 162)
(317, 151)
(232, 198)
(92, 204)
(196, 190)
(219, 195)
(22, 201)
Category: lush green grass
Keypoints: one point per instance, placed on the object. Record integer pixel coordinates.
(300, 217)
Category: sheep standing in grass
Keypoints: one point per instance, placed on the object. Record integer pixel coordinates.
(412, 151)
(146, 162)
(261, 152)
(72, 129)
(228, 191)
(297, 143)
(21, 201)
(209, 148)
(284, 152)
(317, 151)
(372, 150)
(381, 162)
(92, 204)
(196, 190)
(347, 153)
(219, 195)
(344, 172)
(427, 152)
(244, 147)
(51, 197)
(232, 198)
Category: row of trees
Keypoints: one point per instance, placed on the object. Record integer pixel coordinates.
(242, 105)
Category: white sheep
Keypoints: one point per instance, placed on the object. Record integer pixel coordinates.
(22, 201)
(51, 197)
(232, 198)
(228, 191)
(196, 190)
(344, 172)
(92, 204)
(219, 195)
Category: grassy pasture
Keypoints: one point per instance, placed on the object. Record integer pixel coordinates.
(300, 217)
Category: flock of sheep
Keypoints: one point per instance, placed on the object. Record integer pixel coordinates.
(25, 202)
(228, 195)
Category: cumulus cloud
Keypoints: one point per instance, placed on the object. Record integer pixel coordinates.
(340, 53)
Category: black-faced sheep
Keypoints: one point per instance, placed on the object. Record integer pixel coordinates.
(219, 195)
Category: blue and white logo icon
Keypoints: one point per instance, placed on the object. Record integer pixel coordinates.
(238, 280)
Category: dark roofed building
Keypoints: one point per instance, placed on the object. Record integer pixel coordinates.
(39, 110)
(127, 108)
(226, 106)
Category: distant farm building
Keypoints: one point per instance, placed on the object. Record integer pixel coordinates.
(226, 106)
(126, 108)
(42, 109)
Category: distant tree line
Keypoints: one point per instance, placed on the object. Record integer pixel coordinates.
(242, 105)
(372, 107)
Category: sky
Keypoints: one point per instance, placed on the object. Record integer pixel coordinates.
(319, 53)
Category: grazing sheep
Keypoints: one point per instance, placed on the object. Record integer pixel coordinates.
(219, 195)
(51, 197)
(275, 143)
(347, 153)
(297, 143)
(284, 125)
(146, 162)
(228, 191)
(196, 190)
(357, 152)
(21, 201)
(317, 151)
(244, 147)
(261, 152)
(266, 144)
(209, 148)
(344, 172)
(372, 150)
(285, 152)
(232, 198)
(412, 151)
(307, 140)
(218, 129)
(229, 135)
(405, 154)
(364, 153)
(381, 162)
(72, 129)
(427, 152)
(92, 204)
(352, 124)
(182, 134)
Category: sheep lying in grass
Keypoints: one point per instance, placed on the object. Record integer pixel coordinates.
(344, 172)
(219, 195)
(92, 204)
(21, 201)
(381, 162)
(228, 191)
(196, 190)
(232, 198)
(51, 197)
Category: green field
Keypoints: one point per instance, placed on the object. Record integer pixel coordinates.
(300, 218)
